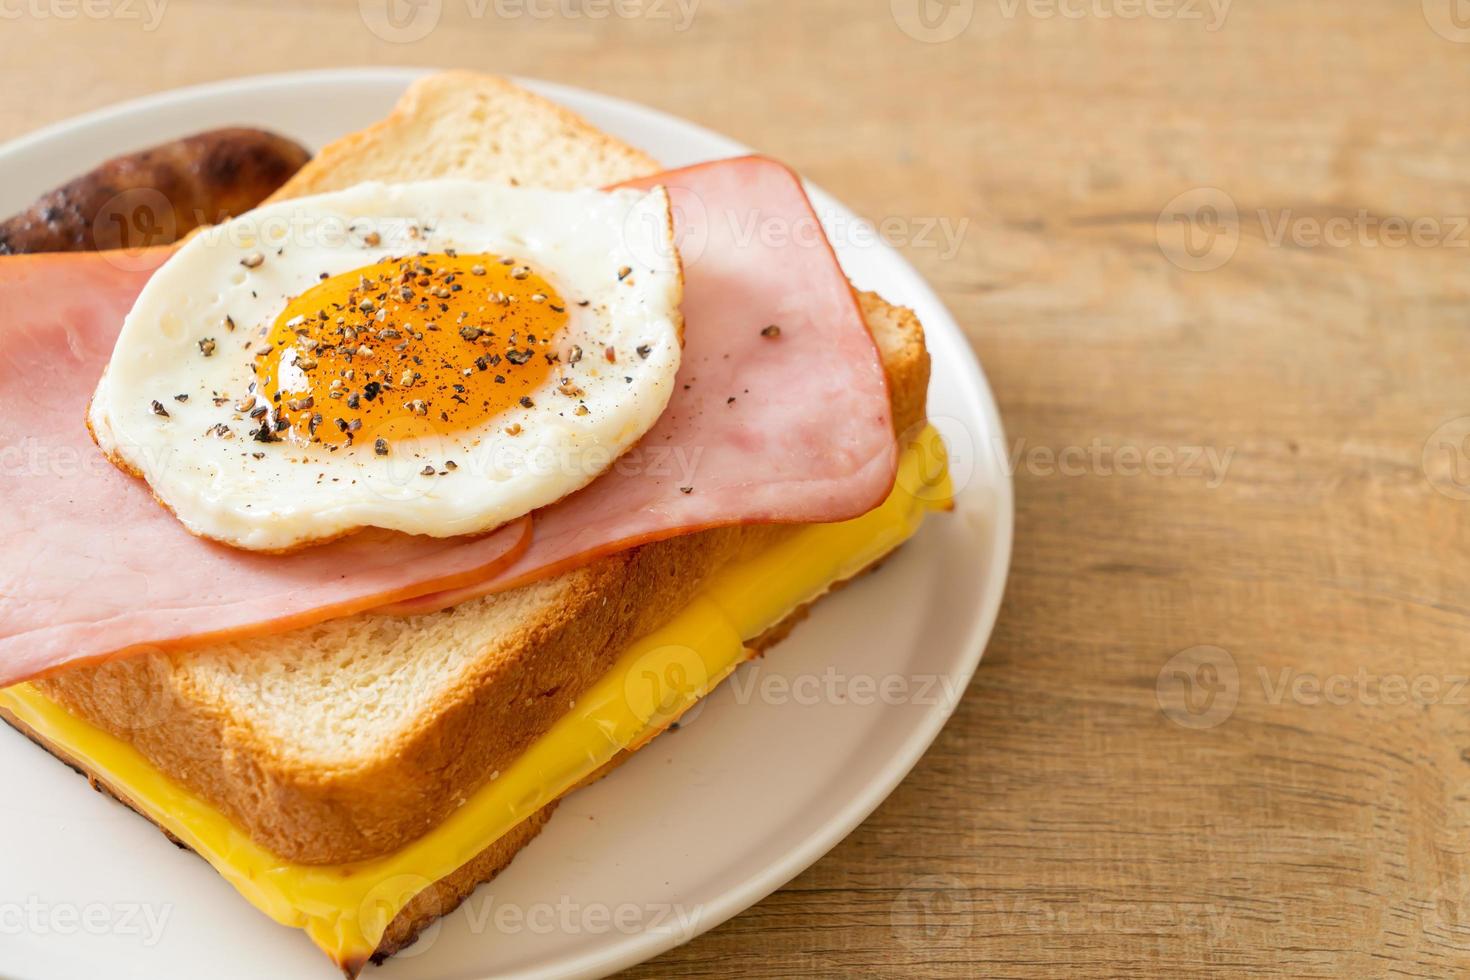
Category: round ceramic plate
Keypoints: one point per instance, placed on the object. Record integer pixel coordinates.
(780, 764)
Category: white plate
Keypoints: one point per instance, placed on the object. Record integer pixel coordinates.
(700, 826)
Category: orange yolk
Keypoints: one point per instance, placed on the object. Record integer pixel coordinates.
(424, 345)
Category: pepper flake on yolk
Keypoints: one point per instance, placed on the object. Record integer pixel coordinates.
(433, 344)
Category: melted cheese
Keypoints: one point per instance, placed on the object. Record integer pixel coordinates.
(346, 909)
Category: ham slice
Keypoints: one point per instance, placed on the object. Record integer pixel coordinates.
(91, 566)
(781, 414)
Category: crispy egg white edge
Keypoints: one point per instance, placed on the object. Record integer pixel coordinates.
(217, 490)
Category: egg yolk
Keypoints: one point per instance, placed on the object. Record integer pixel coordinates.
(425, 345)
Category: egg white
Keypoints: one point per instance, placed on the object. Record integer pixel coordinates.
(610, 255)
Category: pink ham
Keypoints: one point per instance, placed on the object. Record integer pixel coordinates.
(781, 414)
(90, 565)
(767, 425)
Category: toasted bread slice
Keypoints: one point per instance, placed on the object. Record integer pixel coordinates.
(349, 739)
(481, 127)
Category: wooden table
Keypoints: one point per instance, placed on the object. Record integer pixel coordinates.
(1091, 809)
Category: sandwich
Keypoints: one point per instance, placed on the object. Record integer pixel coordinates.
(443, 482)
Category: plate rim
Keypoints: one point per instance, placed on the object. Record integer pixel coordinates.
(630, 950)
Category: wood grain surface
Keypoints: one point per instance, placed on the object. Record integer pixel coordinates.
(1215, 260)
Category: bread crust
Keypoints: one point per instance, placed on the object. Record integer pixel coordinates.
(440, 109)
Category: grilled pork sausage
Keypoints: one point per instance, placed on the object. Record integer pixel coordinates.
(156, 196)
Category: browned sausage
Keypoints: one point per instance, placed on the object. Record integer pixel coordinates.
(156, 196)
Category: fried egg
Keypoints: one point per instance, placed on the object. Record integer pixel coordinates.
(436, 358)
